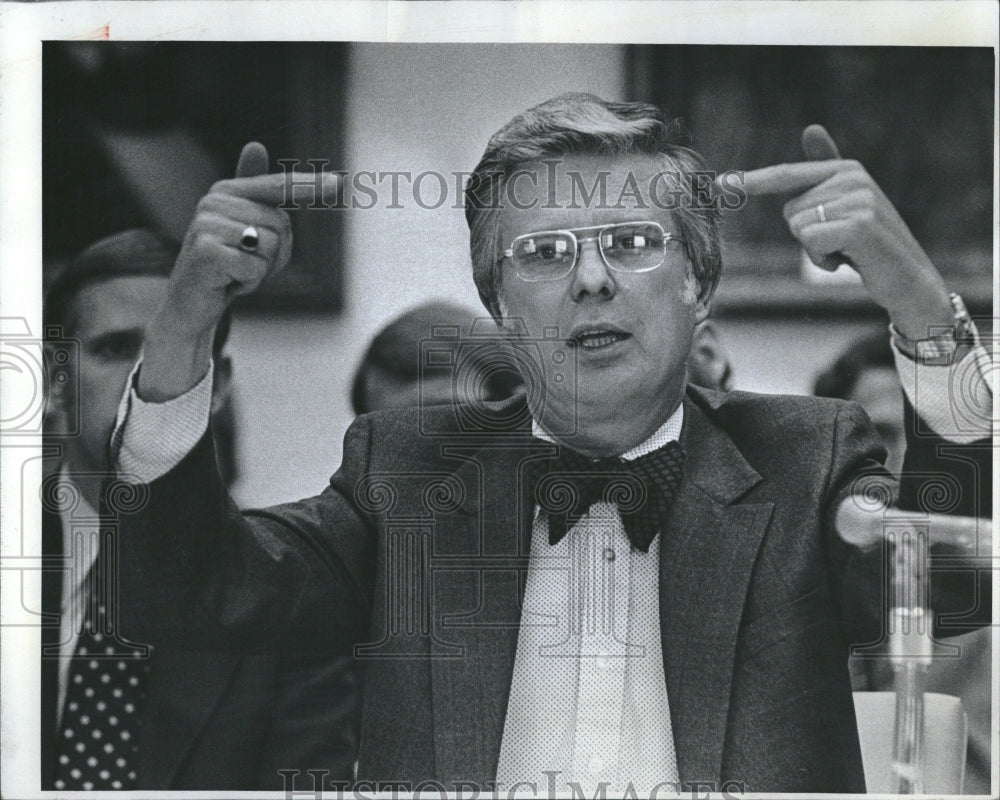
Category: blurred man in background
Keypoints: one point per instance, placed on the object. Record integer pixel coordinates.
(116, 715)
(865, 373)
(392, 375)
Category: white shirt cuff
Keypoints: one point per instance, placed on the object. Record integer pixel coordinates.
(954, 401)
(150, 439)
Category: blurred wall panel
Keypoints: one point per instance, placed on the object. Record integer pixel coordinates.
(136, 132)
(920, 119)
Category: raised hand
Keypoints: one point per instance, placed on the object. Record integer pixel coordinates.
(238, 237)
(213, 266)
(840, 214)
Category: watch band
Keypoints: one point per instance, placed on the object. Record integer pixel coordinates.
(940, 349)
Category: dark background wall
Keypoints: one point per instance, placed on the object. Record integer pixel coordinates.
(134, 133)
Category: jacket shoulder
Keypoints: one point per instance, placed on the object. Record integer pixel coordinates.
(791, 421)
(418, 432)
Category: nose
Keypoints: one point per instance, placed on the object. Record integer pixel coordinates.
(591, 276)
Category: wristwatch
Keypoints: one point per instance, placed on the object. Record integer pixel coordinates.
(940, 348)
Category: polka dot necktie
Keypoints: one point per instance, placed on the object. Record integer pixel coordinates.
(98, 746)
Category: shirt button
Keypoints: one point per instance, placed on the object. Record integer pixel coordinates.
(603, 662)
(596, 764)
(609, 554)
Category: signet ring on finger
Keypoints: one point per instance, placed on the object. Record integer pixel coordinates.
(249, 239)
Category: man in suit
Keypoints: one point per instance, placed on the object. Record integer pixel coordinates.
(612, 583)
(115, 715)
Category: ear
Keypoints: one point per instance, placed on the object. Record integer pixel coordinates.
(701, 310)
(221, 382)
(58, 390)
(703, 299)
(709, 364)
(706, 337)
(497, 311)
(509, 327)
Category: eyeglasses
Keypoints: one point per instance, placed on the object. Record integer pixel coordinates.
(624, 247)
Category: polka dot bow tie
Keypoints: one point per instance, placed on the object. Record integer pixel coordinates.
(643, 489)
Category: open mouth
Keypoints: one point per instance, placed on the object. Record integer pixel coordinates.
(598, 339)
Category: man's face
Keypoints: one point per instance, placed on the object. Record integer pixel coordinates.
(109, 319)
(629, 333)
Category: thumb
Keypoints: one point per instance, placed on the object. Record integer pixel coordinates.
(816, 143)
(253, 161)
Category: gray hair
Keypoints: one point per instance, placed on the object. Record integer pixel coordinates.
(576, 124)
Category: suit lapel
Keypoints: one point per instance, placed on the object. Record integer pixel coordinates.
(706, 557)
(52, 576)
(479, 609)
(183, 690)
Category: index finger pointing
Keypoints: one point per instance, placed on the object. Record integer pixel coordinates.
(287, 190)
(789, 178)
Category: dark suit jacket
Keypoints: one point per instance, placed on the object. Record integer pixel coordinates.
(215, 719)
(418, 548)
